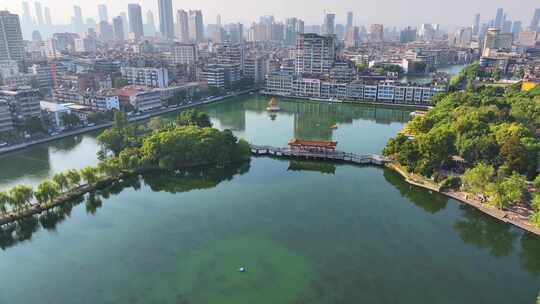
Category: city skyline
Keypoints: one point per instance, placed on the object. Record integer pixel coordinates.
(365, 13)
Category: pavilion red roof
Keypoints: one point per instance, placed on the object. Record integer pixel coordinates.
(313, 143)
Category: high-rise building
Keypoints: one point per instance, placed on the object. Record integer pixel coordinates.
(103, 14)
(516, 28)
(476, 24)
(350, 20)
(495, 40)
(11, 40)
(196, 26)
(77, 20)
(125, 23)
(182, 21)
(352, 38)
(39, 14)
(535, 21)
(106, 31)
(499, 18)
(135, 21)
(376, 33)
(407, 35)
(291, 31)
(27, 23)
(166, 21)
(184, 53)
(118, 28)
(235, 32)
(315, 54)
(150, 27)
(48, 20)
(329, 24)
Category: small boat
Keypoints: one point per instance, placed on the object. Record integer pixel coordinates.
(334, 127)
(242, 269)
(273, 106)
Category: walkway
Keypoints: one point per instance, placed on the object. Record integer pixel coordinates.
(368, 159)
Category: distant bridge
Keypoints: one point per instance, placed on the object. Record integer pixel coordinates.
(368, 159)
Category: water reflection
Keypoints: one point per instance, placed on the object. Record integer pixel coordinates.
(67, 144)
(314, 166)
(421, 198)
(530, 253)
(35, 160)
(171, 182)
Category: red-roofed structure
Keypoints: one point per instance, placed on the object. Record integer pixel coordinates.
(312, 145)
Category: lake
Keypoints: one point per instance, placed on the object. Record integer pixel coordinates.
(307, 232)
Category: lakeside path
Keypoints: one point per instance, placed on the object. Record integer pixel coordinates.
(143, 117)
(516, 215)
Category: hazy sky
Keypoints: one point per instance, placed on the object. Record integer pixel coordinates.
(390, 12)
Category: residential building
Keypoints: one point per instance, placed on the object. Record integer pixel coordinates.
(329, 24)
(11, 39)
(527, 38)
(495, 40)
(376, 33)
(535, 21)
(102, 12)
(53, 112)
(23, 101)
(140, 98)
(184, 54)
(150, 77)
(106, 31)
(6, 123)
(315, 54)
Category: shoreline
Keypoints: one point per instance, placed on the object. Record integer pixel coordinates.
(143, 117)
(511, 216)
(350, 102)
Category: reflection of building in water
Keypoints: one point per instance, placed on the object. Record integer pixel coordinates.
(315, 166)
(34, 162)
(231, 115)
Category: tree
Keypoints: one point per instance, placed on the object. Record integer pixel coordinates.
(46, 192)
(507, 191)
(61, 180)
(110, 167)
(193, 118)
(476, 179)
(73, 177)
(89, 174)
(514, 155)
(5, 199)
(20, 196)
(119, 136)
(130, 159)
(157, 123)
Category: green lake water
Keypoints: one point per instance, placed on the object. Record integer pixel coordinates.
(307, 232)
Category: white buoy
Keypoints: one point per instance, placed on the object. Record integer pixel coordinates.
(242, 269)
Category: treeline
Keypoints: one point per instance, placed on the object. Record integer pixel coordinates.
(187, 142)
(491, 135)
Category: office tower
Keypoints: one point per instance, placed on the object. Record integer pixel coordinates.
(135, 21)
(103, 14)
(36, 36)
(495, 40)
(376, 33)
(315, 54)
(291, 26)
(407, 35)
(106, 31)
(516, 28)
(182, 21)
(27, 16)
(476, 24)
(499, 18)
(150, 25)
(218, 20)
(166, 21)
(329, 24)
(350, 20)
(48, 20)
(535, 22)
(196, 26)
(507, 26)
(300, 26)
(118, 29)
(125, 23)
(352, 38)
(11, 40)
(39, 14)
(235, 32)
(77, 20)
